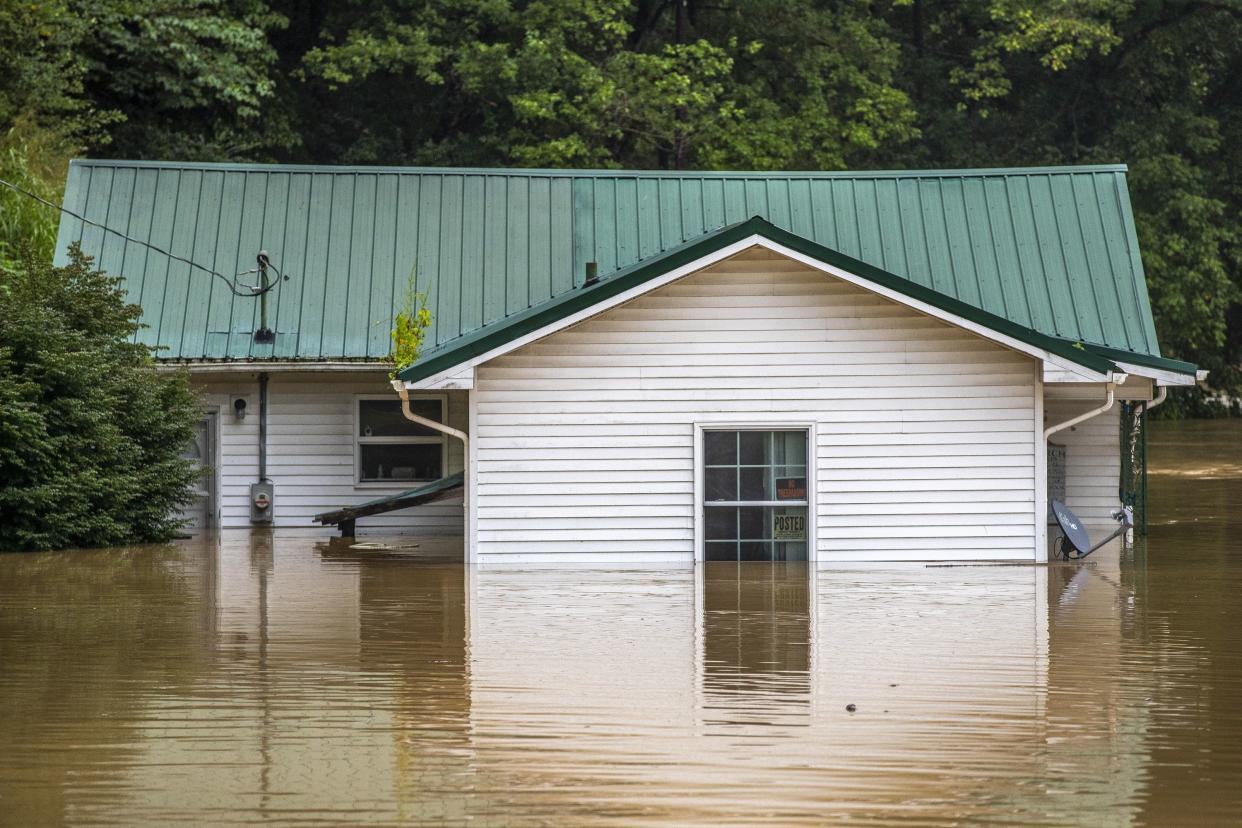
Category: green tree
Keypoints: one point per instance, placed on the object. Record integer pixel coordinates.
(183, 79)
(1154, 85)
(578, 83)
(90, 433)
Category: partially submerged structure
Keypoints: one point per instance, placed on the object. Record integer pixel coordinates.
(652, 366)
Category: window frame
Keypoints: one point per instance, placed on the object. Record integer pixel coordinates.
(359, 441)
(812, 489)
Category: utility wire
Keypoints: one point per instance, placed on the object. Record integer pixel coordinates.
(251, 290)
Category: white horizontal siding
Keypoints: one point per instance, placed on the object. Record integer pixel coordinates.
(925, 433)
(1093, 450)
(310, 453)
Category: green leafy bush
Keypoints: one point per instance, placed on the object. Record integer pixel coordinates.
(409, 328)
(91, 434)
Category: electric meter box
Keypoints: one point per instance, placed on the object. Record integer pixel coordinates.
(261, 501)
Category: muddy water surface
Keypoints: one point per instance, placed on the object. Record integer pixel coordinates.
(292, 681)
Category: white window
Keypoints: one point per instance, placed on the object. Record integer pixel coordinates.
(389, 450)
(755, 495)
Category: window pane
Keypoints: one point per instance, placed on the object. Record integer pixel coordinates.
(720, 484)
(753, 448)
(754, 551)
(398, 462)
(721, 523)
(753, 523)
(720, 448)
(789, 552)
(788, 448)
(383, 418)
(718, 551)
(754, 484)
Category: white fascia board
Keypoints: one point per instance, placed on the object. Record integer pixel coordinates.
(462, 380)
(1160, 376)
(1082, 373)
(1054, 374)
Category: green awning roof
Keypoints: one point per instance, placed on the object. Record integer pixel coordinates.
(435, 490)
(480, 342)
(1051, 250)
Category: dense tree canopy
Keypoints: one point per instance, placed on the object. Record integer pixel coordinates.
(764, 84)
(90, 436)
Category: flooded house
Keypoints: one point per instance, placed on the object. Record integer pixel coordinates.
(643, 366)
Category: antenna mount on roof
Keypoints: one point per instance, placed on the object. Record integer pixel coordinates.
(264, 335)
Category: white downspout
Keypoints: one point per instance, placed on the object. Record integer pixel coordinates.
(399, 387)
(1164, 392)
(1095, 412)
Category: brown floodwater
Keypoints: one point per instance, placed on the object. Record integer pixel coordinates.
(294, 681)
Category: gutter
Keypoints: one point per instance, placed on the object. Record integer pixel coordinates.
(253, 366)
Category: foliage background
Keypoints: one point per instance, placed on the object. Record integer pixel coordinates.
(729, 84)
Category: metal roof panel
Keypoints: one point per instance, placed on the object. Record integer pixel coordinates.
(1051, 249)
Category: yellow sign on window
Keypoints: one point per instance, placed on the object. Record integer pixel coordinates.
(788, 527)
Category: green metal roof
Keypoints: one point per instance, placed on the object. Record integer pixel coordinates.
(485, 339)
(1052, 250)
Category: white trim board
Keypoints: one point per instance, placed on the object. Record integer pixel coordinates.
(1078, 372)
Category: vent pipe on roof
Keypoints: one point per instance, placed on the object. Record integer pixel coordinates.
(592, 274)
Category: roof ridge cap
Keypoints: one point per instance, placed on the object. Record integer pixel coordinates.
(535, 172)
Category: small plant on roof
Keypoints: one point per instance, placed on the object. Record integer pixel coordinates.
(409, 328)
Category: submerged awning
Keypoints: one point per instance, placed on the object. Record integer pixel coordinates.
(440, 489)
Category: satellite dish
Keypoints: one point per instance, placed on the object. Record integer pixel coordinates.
(1071, 527)
(1074, 541)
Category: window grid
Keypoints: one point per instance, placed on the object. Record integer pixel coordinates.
(777, 448)
(362, 440)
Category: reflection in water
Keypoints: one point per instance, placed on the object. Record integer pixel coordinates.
(756, 645)
(284, 680)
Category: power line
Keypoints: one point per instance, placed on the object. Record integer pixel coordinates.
(251, 290)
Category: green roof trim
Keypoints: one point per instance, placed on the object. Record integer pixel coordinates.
(480, 342)
(1175, 366)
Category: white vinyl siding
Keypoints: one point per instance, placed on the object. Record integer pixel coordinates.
(310, 453)
(925, 434)
(1093, 451)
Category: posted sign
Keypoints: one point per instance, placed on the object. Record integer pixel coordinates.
(788, 527)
